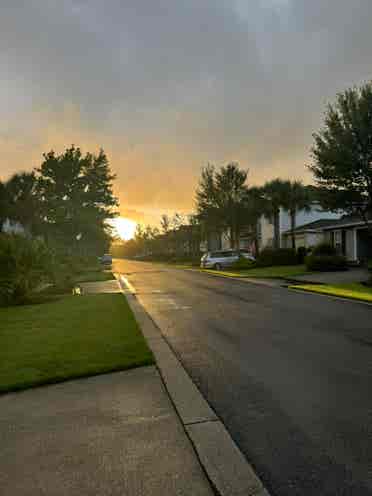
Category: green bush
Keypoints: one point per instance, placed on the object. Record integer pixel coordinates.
(369, 265)
(324, 249)
(280, 256)
(24, 265)
(243, 264)
(301, 254)
(325, 262)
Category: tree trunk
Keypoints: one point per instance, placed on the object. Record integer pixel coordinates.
(293, 226)
(277, 229)
(256, 246)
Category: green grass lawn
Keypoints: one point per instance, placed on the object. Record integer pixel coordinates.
(73, 336)
(280, 271)
(354, 291)
(94, 275)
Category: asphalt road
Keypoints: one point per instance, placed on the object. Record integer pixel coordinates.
(290, 374)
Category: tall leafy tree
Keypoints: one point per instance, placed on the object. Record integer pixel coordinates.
(21, 200)
(76, 199)
(4, 204)
(219, 199)
(342, 153)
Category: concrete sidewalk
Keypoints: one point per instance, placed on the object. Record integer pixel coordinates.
(114, 434)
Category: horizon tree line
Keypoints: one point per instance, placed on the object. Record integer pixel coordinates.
(342, 168)
(68, 199)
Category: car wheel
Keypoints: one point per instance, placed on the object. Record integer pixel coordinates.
(217, 266)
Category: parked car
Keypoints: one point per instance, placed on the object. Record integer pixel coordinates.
(106, 259)
(221, 259)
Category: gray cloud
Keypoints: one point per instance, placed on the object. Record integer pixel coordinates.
(169, 85)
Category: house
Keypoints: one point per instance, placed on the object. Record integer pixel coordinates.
(266, 226)
(12, 227)
(306, 235)
(305, 220)
(349, 235)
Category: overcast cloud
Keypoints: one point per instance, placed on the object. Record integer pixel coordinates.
(166, 86)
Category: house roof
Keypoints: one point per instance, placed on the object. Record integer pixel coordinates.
(313, 226)
(329, 224)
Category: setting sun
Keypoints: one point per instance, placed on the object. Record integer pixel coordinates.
(123, 227)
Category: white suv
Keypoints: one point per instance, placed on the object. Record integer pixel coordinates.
(220, 259)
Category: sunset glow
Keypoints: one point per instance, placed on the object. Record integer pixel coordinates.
(124, 228)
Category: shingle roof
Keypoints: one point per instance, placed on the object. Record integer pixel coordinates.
(320, 224)
(316, 224)
(347, 220)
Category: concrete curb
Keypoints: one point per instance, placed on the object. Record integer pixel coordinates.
(226, 467)
(349, 299)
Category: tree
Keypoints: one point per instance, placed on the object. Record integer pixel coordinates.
(299, 198)
(76, 199)
(219, 199)
(342, 154)
(165, 223)
(275, 193)
(21, 201)
(4, 204)
(255, 205)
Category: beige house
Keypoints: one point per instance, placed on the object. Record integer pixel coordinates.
(349, 235)
(266, 228)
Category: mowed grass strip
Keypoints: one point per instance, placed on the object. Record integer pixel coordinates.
(95, 275)
(354, 291)
(74, 336)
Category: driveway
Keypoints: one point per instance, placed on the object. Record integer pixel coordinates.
(289, 373)
(339, 277)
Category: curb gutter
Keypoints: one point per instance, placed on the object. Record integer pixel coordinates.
(226, 467)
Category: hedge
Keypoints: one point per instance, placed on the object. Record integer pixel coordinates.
(279, 256)
(325, 262)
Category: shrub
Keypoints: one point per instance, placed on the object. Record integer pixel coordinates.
(325, 262)
(243, 264)
(324, 249)
(301, 254)
(24, 265)
(369, 265)
(280, 256)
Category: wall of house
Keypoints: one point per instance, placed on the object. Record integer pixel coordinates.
(11, 227)
(225, 241)
(313, 239)
(304, 217)
(307, 240)
(350, 245)
(266, 233)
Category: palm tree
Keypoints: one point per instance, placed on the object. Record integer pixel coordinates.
(275, 193)
(255, 204)
(299, 198)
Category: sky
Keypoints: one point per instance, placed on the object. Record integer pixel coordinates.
(167, 86)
